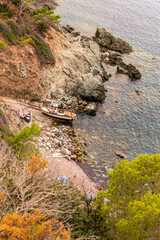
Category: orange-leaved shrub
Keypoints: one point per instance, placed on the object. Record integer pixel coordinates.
(32, 226)
(36, 163)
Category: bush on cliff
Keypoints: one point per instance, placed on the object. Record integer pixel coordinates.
(5, 11)
(7, 33)
(2, 45)
(22, 142)
(44, 52)
(44, 18)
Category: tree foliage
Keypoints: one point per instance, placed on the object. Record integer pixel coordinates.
(24, 4)
(142, 220)
(45, 14)
(22, 142)
(130, 208)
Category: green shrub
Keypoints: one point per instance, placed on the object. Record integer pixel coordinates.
(5, 11)
(28, 31)
(16, 2)
(44, 19)
(7, 33)
(21, 142)
(2, 45)
(26, 41)
(43, 50)
(16, 29)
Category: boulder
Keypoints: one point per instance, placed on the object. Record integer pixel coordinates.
(108, 41)
(103, 38)
(119, 45)
(68, 28)
(120, 154)
(114, 59)
(91, 88)
(106, 75)
(130, 70)
(91, 109)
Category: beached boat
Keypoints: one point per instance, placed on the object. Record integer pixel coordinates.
(53, 111)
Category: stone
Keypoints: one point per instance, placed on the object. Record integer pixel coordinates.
(103, 38)
(91, 109)
(91, 88)
(22, 70)
(107, 41)
(31, 52)
(114, 58)
(66, 71)
(130, 70)
(120, 154)
(119, 45)
(69, 102)
(65, 151)
(73, 157)
(95, 72)
(48, 144)
(48, 134)
(133, 72)
(79, 78)
(75, 33)
(106, 75)
(82, 102)
(68, 28)
(121, 70)
(98, 77)
(139, 92)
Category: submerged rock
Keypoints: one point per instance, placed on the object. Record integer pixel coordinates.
(108, 41)
(91, 109)
(130, 70)
(120, 154)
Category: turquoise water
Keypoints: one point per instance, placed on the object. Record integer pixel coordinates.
(126, 121)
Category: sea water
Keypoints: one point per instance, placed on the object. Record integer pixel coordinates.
(126, 122)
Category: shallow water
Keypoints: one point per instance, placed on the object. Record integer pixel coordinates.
(126, 121)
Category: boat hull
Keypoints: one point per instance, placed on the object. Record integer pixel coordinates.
(57, 116)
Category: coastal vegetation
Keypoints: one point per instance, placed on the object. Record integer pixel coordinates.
(128, 209)
(31, 31)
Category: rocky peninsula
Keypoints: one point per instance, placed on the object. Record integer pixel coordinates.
(75, 81)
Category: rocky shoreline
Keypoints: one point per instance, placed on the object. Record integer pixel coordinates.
(76, 81)
(80, 71)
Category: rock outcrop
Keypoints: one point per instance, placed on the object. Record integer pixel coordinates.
(130, 70)
(113, 59)
(74, 72)
(107, 41)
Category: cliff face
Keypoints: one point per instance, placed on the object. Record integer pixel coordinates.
(76, 71)
(20, 73)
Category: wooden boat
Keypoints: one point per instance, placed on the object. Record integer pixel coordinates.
(61, 114)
